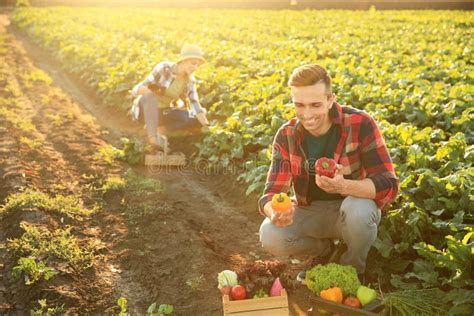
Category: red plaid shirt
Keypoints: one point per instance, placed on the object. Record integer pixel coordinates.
(360, 150)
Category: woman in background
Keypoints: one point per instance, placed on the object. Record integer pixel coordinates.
(168, 97)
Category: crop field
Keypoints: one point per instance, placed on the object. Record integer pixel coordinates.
(83, 223)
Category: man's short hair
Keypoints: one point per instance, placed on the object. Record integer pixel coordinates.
(309, 75)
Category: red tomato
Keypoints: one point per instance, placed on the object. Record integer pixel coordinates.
(238, 293)
(352, 301)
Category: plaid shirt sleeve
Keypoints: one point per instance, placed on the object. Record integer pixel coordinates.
(196, 107)
(377, 163)
(157, 71)
(279, 175)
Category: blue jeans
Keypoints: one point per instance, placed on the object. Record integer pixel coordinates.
(171, 118)
(353, 220)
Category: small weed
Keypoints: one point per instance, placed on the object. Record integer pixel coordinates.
(45, 100)
(55, 92)
(9, 115)
(142, 186)
(44, 310)
(13, 89)
(163, 309)
(39, 75)
(59, 244)
(71, 205)
(26, 125)
(32, 270)
(136, 211)
(122, 302)
(108, 154)
(31, 143)
(69, 115)
(196, 282)
(7, 103)
(88, 120)
(27, 84)
(133, 150)
(113, 183)
(56, 120)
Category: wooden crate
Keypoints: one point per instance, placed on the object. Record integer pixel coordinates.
(342, 309)
(162, 159)
(274, 306)
(166, 158)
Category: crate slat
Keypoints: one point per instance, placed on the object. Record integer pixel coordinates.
(277, 305)
(160, 159)
(263, 312)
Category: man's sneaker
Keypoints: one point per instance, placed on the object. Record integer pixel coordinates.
(337, 252)
(153, 149)
(301, 277)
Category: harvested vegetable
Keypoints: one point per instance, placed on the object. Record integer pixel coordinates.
(227, 278)
(281, 203)
(326, 167)
(238, 292)
(262, 274)
(333, 294)
(322, 277)
(352, 302)
(366, 295)
(277, 287)
(416, 302)
(260, 294)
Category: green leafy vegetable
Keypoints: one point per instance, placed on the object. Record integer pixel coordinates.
(322, 277)
(227, 278)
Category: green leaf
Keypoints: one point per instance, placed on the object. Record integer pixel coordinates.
(424, 271)
(256, 186)
(398, 282)
(466, 238)
(122, 302)
(460, 296)
(165, 309)
(384, 246)
(151, 308)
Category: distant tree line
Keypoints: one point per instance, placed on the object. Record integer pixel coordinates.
(264, 4)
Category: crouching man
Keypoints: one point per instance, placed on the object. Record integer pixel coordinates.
(346, 207)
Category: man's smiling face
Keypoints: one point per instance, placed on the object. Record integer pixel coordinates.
(312, 105)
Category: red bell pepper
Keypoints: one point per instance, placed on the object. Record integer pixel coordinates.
(326, 167)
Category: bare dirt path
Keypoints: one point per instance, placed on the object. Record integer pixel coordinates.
(198, 224)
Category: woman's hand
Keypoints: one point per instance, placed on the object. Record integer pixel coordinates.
(201, 117)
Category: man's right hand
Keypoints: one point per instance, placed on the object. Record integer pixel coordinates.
(280, 219)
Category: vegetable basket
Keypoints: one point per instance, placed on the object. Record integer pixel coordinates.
(319, 303)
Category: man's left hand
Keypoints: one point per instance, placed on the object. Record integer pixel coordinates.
(332, 185)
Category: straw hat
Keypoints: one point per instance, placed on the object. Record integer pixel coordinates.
(191, 51)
